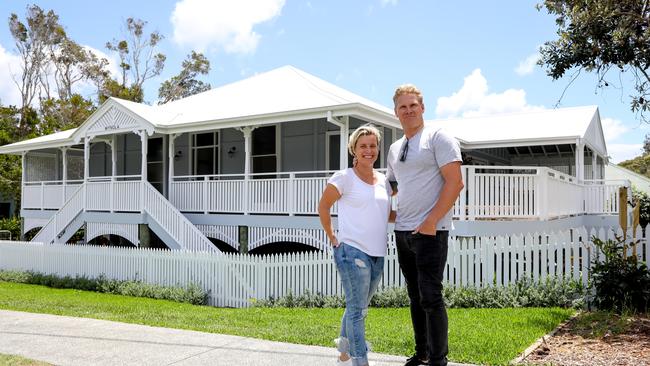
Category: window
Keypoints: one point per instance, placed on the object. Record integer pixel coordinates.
(264, 155)
(205, 153)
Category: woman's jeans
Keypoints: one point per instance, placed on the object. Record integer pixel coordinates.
(360, 275)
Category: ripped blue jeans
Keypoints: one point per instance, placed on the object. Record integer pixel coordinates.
(360, 274)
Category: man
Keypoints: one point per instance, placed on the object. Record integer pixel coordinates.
(425, 164)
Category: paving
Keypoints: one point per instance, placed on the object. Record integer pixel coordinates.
(63, 340)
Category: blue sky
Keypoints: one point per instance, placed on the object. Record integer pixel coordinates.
(468, 57)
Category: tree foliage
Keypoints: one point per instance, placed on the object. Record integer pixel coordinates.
(601, 36)
(185, 83)
(139, 62)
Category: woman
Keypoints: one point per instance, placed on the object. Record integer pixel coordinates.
(363, 197)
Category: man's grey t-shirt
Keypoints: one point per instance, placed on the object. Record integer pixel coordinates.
(418, 177)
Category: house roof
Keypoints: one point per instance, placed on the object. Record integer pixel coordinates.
(543, 127)
(280, 95)
(640, 182)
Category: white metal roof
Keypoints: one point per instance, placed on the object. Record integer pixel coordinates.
(279, 95)
(640, 182)
(543, 127)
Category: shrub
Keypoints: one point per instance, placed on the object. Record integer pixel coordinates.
(11, 224)
(192, 294)
(620, 283)
(523, 293)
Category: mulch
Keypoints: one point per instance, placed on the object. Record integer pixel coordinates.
(574, 346)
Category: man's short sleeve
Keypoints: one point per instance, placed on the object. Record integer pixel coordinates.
(446, 147)
(338, 180)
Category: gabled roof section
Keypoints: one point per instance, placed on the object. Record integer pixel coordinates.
(116, 116)
(543, 127)
(285, 89)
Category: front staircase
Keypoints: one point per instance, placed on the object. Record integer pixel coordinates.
(163, 218)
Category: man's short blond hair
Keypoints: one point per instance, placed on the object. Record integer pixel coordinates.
(365, 130)
(407, 89)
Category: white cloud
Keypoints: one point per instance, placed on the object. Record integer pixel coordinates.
(613, 128)
(204, 24)
(527, 66)
(9, 69)
(389, 2)
(473, 100)
(622, 152)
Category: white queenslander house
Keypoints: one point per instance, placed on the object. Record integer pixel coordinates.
(242, 167)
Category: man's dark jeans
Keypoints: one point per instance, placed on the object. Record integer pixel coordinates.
(422, 259)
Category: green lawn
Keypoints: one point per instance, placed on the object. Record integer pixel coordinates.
(11, 360)
(482, 336)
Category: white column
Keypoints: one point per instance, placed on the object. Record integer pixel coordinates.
(170, 155)
(581, 162)
(114, 156)
(345, 132)
(23, 177)
(247, 131)
(64, 174)
(594, 161)
(86, 157)
(144, 143)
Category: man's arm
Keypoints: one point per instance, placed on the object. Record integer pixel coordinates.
(448, 195)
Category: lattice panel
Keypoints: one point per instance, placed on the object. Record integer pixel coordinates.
(227, 234)
(127, 231)
(40, 167)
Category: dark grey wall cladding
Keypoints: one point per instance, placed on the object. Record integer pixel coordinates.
(182, 150)
(299, 146)
(231, 163)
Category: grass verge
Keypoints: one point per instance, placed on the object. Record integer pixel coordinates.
(481, 336)
(11, 360)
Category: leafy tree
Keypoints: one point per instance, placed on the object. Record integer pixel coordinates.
(646, 145)
(64, 114)
(32, 40)
(598, 36)
(138, 61)
(640, 164)
(185, 84)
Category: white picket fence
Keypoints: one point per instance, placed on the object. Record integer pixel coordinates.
(235, 280)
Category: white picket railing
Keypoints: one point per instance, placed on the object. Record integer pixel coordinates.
(236, 280)
(490, 192)
(46, 195)
(282, 192)
(175, 223)
(62, 218)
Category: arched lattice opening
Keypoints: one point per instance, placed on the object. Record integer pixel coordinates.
(282, 247)
(111, 240)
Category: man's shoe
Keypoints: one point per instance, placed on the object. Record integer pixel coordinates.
(417, 360)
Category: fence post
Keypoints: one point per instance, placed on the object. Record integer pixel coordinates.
(292, 194)
(462, 199)
(205, 194)
(541, 198)
(471, 192)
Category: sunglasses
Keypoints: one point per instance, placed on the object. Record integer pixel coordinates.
(405, 150)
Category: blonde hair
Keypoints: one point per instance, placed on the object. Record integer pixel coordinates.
(365, 130)
(407, 89)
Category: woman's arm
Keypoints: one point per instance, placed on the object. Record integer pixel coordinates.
(330, 195)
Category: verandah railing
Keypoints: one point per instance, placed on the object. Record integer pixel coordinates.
(490, 192)
(236, 280)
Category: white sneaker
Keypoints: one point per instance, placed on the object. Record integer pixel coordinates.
(343, 363)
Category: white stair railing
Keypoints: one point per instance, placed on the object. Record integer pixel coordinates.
(188, 236)
(62, 218)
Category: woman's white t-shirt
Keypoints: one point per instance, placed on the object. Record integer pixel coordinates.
(362, 211)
